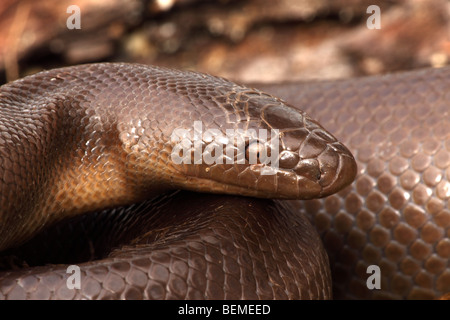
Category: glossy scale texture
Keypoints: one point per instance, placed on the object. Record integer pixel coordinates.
(396, 214)
(83, 139)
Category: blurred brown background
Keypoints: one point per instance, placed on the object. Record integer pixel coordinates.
(243, 40)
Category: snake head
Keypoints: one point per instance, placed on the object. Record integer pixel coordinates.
(263, 148)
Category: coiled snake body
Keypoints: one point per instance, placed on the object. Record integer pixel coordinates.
(94, 137)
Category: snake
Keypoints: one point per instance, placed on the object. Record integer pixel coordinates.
(122, 138)
(79, 143)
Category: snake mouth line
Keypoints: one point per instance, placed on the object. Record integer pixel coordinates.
(285, 184)
(329, 168)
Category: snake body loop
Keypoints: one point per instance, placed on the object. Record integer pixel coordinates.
(192, 245)
(396, 215)
(77, 141)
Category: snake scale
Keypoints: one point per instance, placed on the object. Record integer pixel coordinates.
(94, 137)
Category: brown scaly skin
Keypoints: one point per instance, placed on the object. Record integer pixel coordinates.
(93, 137)
(397, 212)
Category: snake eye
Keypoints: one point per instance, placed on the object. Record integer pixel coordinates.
(257, 152)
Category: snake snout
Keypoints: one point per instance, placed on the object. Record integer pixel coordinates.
(321, 163)
(338, 168)
(312, 162)
(334, 165)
